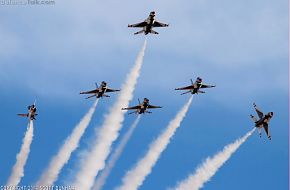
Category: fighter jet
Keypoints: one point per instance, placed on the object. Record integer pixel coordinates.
(263, 121)
(100, 91)
(148, 24)
(142, 107)
(31, 112)
(194, 87)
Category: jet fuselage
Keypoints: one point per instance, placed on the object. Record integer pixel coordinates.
(102, 90)
(143, 108)
(31, 112)
(150, 20)
(196, 88)
(263, 121)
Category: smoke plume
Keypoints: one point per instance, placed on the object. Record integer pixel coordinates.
(21, 158)
(115, 156)
(210, 166)
(94, 161)
(135, 177)
(50, 175)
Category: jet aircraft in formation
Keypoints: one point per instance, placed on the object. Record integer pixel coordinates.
(263, 121)
(100, 91)
(147, 27)
(142, 107)
(148, 24)
(31, 112)
(194, 88)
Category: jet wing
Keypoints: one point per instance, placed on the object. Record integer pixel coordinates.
(23, 115)
(206, 86)
(266, 127)
(141, 24)
(159, 24)
(111, 90)
(90, 92)
(151, 107)
(132, 108)
(185, 88)
(259, 112)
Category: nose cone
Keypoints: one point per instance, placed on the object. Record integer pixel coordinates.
(152, 13)
(271, 114)
(146, 100)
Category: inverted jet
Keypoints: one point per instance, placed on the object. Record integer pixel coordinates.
(263, 121)
(100, 91)
(31, 112)
(194, 88)
(142, 107)
(148, 24)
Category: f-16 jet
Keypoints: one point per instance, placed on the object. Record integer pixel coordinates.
(142, 107)
(194, 88)
(263, 121)
(31, 112)
(148, 24)
(100, 91)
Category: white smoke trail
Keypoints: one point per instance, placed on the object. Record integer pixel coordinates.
(135, 177)
(210, 166)
(50, 175)
(94, 161)
(21, 158)
(115, 156)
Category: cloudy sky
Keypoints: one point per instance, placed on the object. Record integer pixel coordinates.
(52, 52)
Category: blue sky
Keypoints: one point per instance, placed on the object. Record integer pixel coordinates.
(50, 53)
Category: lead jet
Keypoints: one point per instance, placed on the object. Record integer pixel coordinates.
(31, 112)
(194, 88)
(263, 121)
(100, 91)
(142, 107)
(148, 24)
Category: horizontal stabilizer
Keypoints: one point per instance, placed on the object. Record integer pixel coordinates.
(153, 32)
(185, 92)
(105, 95)
(90, 96)
(141, 31)
(132, 112)
(23, 115)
